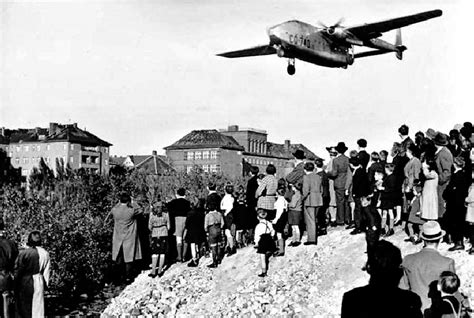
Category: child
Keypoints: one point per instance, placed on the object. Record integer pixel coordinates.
(295, 214)
(213, 223)
(264, 238)
(414, 220)
(470, 215)
(159, 224)
(389, 199)
(449, 305)
(195, 234)
(280, 220)
(227, 204)
(239, 211)
(378, 186)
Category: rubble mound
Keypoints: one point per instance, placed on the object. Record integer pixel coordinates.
(307, 281)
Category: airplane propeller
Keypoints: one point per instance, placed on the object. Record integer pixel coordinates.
(331, 29)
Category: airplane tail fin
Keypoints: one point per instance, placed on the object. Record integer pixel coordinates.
(398, 43)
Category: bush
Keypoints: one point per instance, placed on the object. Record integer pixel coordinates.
(71, 211)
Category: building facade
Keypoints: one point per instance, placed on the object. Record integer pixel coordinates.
(232, 152)
(66, 145)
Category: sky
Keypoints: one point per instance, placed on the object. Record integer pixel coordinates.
(142, 74)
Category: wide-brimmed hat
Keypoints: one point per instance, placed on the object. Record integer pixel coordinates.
(431, 231)
(459, 161)
(341, 147)
(431, 133)
(299, 154)
(440, 139)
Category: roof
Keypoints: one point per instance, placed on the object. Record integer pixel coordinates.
(70, 133)
(279, 150)
(115, 160)
(153, 165)
(205, 139)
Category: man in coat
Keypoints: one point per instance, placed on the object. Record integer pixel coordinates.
(360, 189)
(421, 270)
(126, 244)
(455, 194)
(322, 218)
(339, 172)
(444, 163)
(363, 156)
(406, 140)
(252, 186)
(312, 198)
(296, 176)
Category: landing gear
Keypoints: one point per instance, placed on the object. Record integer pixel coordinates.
(291, 67)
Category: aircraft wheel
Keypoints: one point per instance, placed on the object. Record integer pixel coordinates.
(291, 69)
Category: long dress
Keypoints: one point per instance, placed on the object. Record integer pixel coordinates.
(429, 196)
(32, 269)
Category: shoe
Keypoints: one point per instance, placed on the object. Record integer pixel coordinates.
(456, 247)
(278, 254)
(390, 233)
(383, 232)
(333, 224)
(364, 268)
(309, 243)
(409, 239)
(355, 231)
(322, 232)
(471, 251)
(152, 275)
(212, 265)
(296, 244)
(350, 226)
(292, 244)
(418, 241)
(262, 274)
(193, 264)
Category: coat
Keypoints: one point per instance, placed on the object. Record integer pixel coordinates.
(339, 171)
(412, 171)
(444, 162)
(455, 195)
(429, 196)
(364, 158)
(375, 302)
(325, 183)
(312, 190)
(125, 233)
(252, 186)
(421, 270)
(360, 183)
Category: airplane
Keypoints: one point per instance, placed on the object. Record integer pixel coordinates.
(332, 46)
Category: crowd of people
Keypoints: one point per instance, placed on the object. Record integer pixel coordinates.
(426, 190)
(24, 275)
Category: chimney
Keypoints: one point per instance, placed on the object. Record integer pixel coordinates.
(52, 128)
(287, 145)
(154, 153)
(2, 131)
(233, 128)
(74, 125)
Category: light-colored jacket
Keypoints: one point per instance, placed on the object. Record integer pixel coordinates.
(125, 233)
(312, 190)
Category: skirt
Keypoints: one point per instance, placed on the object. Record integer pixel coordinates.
(159, 245)
(266, 244)
(281, 223)
(295, 217)
(180, 223)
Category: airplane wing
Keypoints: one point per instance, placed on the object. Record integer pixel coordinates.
(374, 30)
(254, 51)
(371, 53)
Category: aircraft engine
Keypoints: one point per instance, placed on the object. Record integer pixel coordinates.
(337, 33)
(281, 52)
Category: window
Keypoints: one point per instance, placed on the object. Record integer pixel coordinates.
(64, 147)
(205, 168)
(106, 150)
(17, 161)
(47, 159)
(214, 154)
(71, 159)
(190, 156)
(17, 148)
(24, 172)
(38, 148)
(214, 168)
(26, 148)
(106, 161)
(197, 155)
(48, 147)
(188, 169)
(72, 146)
(205, 155)
(26, 160)
(10, 154)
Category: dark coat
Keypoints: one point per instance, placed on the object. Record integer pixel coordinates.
(376, 166)
(455, 194)
(215, 199)
(325, 184)
(195, 227)
(375, 302)
(364, 158)
(444, 162)
(252, 186)
(360, 183)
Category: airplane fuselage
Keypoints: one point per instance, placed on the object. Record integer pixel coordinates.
(296, 39)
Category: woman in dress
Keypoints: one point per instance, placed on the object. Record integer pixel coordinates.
(429, 196)
(31, 274)
(195, 234)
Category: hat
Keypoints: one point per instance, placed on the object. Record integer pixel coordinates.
(330, 148)
(341, 147)
(440, 139)
(430, 133)
(299, 154)
(431, 231)
(459, 161)
(318, 160)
